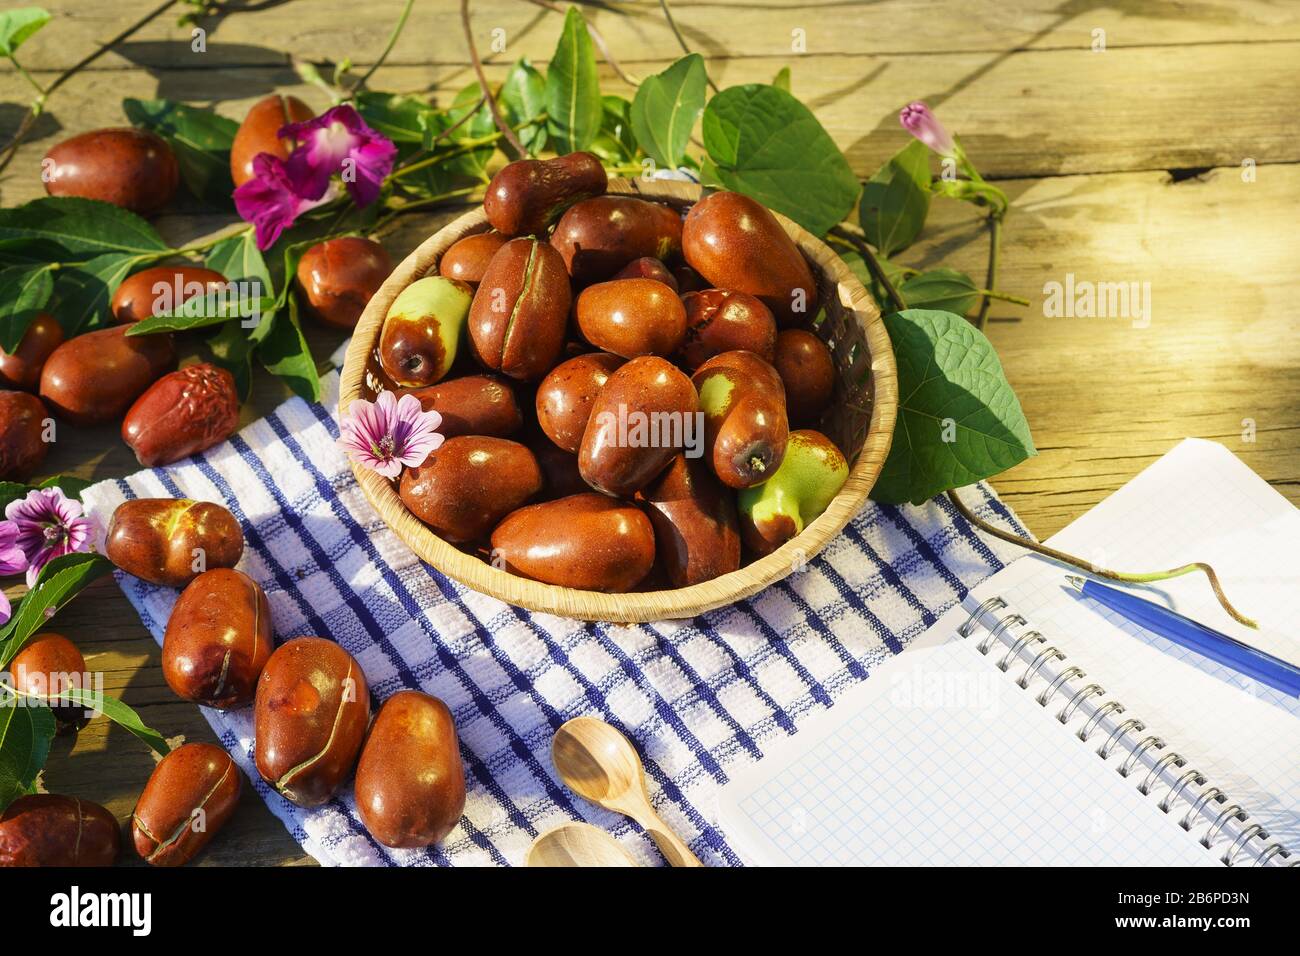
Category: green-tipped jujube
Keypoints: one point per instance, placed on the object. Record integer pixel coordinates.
(811, 474)
(422, 330)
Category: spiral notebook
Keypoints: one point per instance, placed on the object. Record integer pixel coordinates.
(1029, 726)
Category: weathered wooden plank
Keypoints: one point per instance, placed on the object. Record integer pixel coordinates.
(1026, 114)
(1104, 398)
(637, 31)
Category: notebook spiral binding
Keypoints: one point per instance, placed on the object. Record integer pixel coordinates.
(1089, 699)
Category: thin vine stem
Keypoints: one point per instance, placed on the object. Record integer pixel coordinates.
(681, 40)
(392, 42)
(868, 256)
(497, 118)
(991, 277)
(25, 127)
(1070, 560)
(597, 39)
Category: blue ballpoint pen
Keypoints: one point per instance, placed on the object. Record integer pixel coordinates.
(1228, 651)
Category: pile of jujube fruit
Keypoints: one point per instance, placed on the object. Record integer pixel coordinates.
(573, 350)
(312, 722)
(105, 375)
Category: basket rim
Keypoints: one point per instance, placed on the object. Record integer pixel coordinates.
(636, 606)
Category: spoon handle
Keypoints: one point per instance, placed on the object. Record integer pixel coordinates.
(670, 845)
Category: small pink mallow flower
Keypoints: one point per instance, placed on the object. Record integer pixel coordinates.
(925, 126)
(275, 197)
(339, 143)
(386, 434)
(48, 524)
(12, 561)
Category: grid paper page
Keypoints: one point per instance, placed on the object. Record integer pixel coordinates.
(1199, 502)
(940, 758)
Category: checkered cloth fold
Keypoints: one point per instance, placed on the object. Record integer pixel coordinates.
(699, 697)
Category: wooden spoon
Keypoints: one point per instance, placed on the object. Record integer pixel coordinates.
(577, 844)
(599, 764)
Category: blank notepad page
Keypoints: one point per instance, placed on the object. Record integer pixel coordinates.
(939, 758)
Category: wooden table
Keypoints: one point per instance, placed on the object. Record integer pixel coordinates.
(1150, 143)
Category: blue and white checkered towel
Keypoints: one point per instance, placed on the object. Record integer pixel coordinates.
(699, 698)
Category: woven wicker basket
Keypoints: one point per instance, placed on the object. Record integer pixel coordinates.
(860, 420)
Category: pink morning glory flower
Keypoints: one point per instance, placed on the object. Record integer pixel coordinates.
(925, 126)
(48, 524)
(338, 142)
(387, 433)
(275, 197)
(12, 561)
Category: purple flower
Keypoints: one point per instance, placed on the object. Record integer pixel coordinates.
(12, 561)
(275, 197)
(386, 434)
(48, 525)
(338, 142)
(925, 126)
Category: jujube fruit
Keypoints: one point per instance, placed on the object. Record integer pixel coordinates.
(131, 168)
(258, 133)
(422, 330)
(337, 278)
(22, 435)
(218, 639)
(162, 289)
(586, 541)
(309, 719)
(95, 377)
(526, 196)
(190, 796)
(521, 310)
(182, 414)
(736, 243)
(21, 368)
(631, 317)
(171, 541)
(410, 785)
(469, 484)
(598, 237)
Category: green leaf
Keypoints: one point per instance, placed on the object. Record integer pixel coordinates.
(944, 289)
(17, 27)
(284, 352)
(573, 102)
(11, 491)
(238, 257)
(958, 419)
(896, 200)
(250, 298)
(782, 79)
(83, 291)
(24, 293)
(119, 713)
(70, 485)
(766, 144)
(403, 119)
(232, 349)
(616, 142)
(202, 311)
(666, 107)
(25, 736)
(81, 228)
(200, 139)
(523, 103)
(58, 583)
(976, 193)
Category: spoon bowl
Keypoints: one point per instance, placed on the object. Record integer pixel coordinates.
(577, 844)
(599, 764)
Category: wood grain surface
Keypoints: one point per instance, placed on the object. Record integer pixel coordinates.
(1124, 164)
